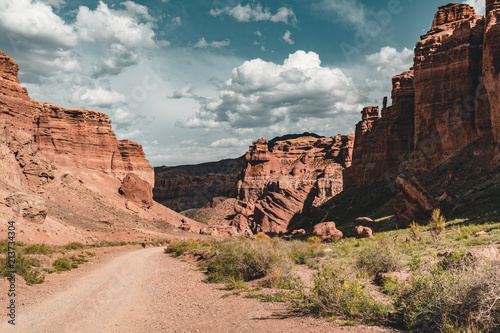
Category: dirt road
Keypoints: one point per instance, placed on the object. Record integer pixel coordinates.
(145, 290)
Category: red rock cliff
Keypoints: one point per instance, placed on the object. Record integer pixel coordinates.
(68, 137)
(449, 99)
(282, 182)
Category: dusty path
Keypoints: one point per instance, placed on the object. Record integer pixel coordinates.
(146, 290)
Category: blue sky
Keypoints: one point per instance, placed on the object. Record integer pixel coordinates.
(197, 81)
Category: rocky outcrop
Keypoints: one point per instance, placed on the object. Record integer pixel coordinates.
(447, 70)
(137, 190)
(194, 186)
(283, 182)
(65, 136)
(61, 171)
(447, 100)
(382, 143)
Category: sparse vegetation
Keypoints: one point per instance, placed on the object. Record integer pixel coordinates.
(341, 291)
(431, 280)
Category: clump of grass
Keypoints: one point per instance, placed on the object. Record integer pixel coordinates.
(437, 224)
(38, 249)
(341, 291)
(248, 260)
(178, 248)
(382, 257)
(452, 298)
(74, 246)
(277, 297)
(62, 264)
(28, 268)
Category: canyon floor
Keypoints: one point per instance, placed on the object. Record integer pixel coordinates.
(130, 289)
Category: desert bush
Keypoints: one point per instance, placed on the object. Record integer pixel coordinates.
(340, 291)
(178, 248)
(314, 240)
(62, 264)
(301, 252)
(74, 246)
(415, 231)
(247, 260)
(437, 223)
(38, 249)
(382, 257)
(452, 298)
(25, 266)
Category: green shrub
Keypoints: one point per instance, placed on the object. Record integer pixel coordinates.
(301, 252)
(247, 260)
(452, 298)
(340, 291)
(38, 249)
(437, 223)
(382, 257)
(178, 248)
(62, 264)
(25, 266)
(74, 246)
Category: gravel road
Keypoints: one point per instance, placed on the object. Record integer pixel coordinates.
(145, 290)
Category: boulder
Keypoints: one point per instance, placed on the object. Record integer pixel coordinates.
(327, 231)
(363, 232)
(137, 190)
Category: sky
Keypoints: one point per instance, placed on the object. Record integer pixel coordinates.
(197, 81)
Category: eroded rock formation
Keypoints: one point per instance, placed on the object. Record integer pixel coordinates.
(61, 170)
(283, 182)
(448, 100)
(194, 186)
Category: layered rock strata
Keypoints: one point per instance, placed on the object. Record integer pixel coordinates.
(282, 183)
(445, 102)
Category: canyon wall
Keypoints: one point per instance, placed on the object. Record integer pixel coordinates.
(194, 186)
(281, 183)
(69, 138)
(448, 100)
(65, 177)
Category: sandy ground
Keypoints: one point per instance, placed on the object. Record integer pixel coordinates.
(145, 290)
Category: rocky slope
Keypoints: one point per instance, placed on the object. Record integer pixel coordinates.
(64, 176)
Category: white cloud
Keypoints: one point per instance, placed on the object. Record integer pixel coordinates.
(57, 4)
(390, 60)
(184, 92)
(124, 120)
(286, 38)
(116, 26)
(263, 94)
(351, 11)
(120, 58)
(256, 12)
(36, 23)
(177, 20)
(478, 6)
(230, 143)
(202, 43)
(258, 33)
(376, 76)
(98, 96)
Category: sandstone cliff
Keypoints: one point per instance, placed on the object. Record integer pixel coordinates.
(61, 171)
(194, 186)
(281, 184)
(447, 101)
